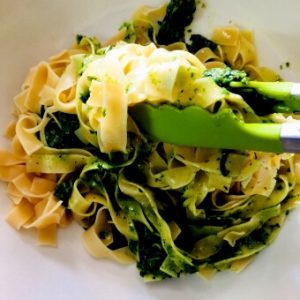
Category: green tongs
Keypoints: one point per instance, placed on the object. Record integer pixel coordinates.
(196, 127)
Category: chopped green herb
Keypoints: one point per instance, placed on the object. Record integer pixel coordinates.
(59, 132)
(198, 41)
(84, 96)
(178, 16)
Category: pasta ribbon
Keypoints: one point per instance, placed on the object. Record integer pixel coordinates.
(98, 247)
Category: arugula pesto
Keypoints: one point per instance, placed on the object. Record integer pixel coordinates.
(60, 131)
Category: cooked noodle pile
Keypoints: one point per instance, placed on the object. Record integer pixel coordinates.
(76, 153)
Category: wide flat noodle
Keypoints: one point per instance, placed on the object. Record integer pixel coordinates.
(112, 133)
(98, 247)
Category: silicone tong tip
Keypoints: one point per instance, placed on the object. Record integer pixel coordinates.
(196, 127)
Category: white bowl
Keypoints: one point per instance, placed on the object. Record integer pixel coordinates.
(31, 31)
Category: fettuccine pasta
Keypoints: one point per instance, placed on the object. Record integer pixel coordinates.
(76, 153)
